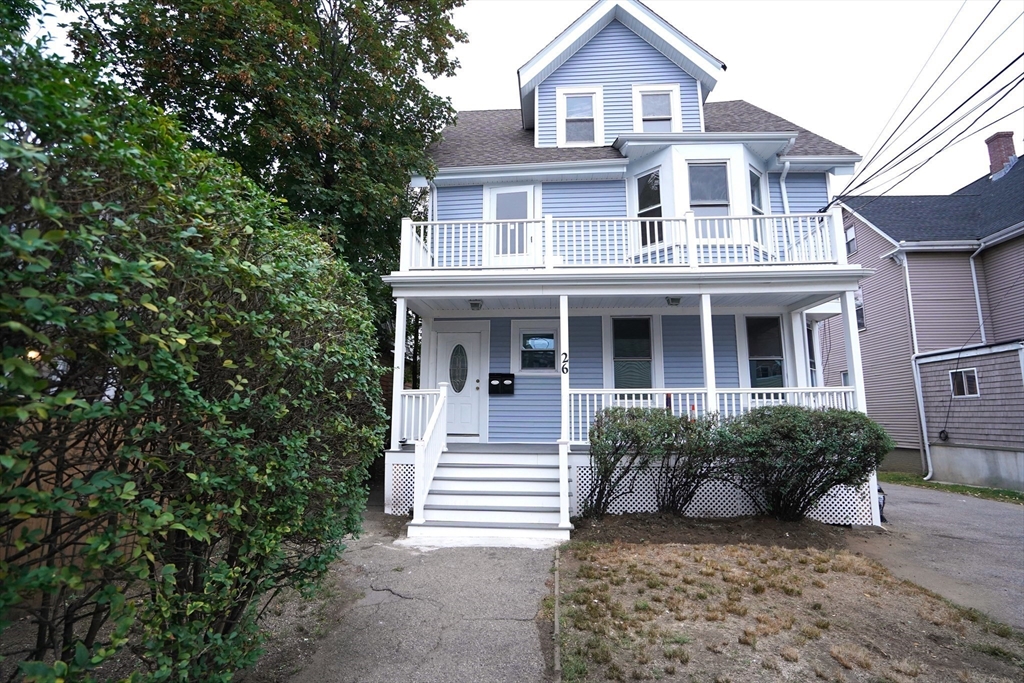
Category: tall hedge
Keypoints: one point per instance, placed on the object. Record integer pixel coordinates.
(188, 400)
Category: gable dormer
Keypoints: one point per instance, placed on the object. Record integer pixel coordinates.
(618, 69)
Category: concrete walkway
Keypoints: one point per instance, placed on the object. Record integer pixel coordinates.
(966, 549)
(450, 615)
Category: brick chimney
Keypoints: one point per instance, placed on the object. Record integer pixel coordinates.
(1000, 151)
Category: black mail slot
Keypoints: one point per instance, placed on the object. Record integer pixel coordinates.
(501, 383)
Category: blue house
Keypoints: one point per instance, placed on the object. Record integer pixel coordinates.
(617, 240)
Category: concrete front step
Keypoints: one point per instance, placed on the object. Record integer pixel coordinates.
(486, 529)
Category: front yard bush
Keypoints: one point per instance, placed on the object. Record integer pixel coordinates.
(188, 402)
(696, 454)
(786, 458)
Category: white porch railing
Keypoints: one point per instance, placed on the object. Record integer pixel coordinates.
(428, 451)
(733, 402)
(584, 404)
(786, 239)
(417, 406)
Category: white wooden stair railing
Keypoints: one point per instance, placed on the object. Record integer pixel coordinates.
(428, 451)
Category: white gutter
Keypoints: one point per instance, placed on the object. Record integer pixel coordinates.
(782, 186)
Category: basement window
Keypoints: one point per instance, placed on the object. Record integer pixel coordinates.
(964, 383)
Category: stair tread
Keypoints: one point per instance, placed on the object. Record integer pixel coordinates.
(490, 508)
(446, 492)
(493, 466)
(534, 479)
(490, 525)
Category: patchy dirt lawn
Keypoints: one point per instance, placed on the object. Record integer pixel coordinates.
(652, 597)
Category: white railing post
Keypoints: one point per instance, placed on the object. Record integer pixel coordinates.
(406, 246)
(428, 452)
(690, 238)
(549, 242)
(398, 381)
(837, 237)
(442, 398)
(563, 484)
(851, 336)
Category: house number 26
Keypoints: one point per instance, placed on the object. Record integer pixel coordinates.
(565, 363)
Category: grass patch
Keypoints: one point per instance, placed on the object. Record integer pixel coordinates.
(905, 479)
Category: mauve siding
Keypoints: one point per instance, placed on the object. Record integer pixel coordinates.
(597, 199)
(1004, 284)
(995, 419)
(537, 401)
(806, 192)
(944, 307)
(616, 58)
(886, 343)
(586, 358)
(461, 203)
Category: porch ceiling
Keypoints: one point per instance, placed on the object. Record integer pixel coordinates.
(505, 305)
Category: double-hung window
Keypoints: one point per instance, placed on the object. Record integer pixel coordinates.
(648, 204)
(656, 109)
(709, 189)
(631, 351)
(580, 114)
(756, 203)
(534, 346)
(858, 305)
(851, 240)
(764, 350)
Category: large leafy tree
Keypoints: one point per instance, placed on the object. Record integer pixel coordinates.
(320, 101)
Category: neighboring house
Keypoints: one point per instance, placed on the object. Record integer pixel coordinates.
(618, 240)
(942, 323)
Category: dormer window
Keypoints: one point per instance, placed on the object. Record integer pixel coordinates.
(580, 117)
(656, 109)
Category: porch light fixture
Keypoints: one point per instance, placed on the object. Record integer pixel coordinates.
(672, 300)
(475, 304)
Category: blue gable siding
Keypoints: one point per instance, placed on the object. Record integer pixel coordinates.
(775, 193)
(807, 192)
(683, 358)
(586, 365)
(462, 203)
(536, 403)
(615, 58)
(585, 199)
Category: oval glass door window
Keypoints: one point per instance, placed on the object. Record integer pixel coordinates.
(458, 368)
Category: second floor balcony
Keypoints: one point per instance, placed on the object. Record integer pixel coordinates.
(688, 241)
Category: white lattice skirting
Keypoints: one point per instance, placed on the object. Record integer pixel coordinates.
(842, 505)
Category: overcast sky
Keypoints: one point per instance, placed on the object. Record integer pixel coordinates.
(834, 67)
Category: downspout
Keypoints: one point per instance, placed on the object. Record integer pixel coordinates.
(782, 184)
(977, 295)
(432, 204)
(917, 370)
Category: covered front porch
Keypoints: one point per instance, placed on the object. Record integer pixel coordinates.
(531, 372)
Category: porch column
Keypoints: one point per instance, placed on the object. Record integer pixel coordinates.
(852, 338)
(563, 360)
(800, 362)
(707, 342)
(399, 376)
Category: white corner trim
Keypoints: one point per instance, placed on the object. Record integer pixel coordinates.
(598, 92)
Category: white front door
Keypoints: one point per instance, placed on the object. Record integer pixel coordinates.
(458, 363)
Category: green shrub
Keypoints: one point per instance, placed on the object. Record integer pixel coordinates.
(696, 454)
(623, 443)
(786, 458)
(188, 399)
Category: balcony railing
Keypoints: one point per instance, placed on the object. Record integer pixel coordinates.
(803, 238)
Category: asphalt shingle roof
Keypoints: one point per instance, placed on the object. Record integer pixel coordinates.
(496, 137)
(973, 212)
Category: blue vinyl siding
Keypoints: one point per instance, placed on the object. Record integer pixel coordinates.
(536, 403)
(463, 203)
(616, 58)
(775, 193)
(463, 246)
(806, 192)
(683, 357)
(598, 199)
(586, 358)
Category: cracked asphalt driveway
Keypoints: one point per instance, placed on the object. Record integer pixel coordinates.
(447, 615)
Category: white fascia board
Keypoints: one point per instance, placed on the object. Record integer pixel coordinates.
(641, 144)
(459, 175)
(1003, 235)
(418, 181)
(874, 227)
(967, 352)
(813, 164)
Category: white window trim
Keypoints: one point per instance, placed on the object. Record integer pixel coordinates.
(764, 193)
(728, 182)
(516, 358)
(674, 102)
(598, 92)
(977, 385)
